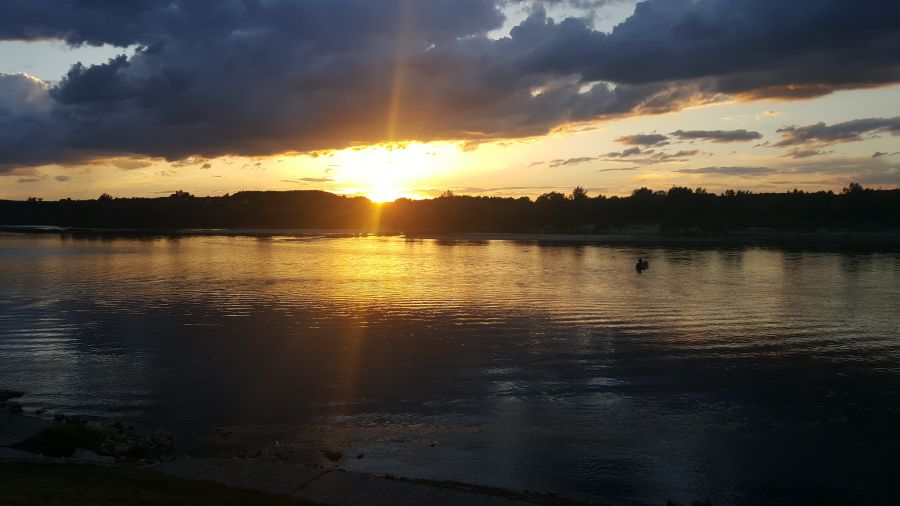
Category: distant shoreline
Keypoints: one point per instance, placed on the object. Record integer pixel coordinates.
(839, 237)
(734, 237)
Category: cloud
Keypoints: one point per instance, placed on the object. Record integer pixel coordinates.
(805, 153)
(625, 153)
(616, 169)
(62, 179)
(644, 140)
(729, 171)
(25, 123)
(684, 152)
(572, 161)
(754, 48)
(191, 161)
(879, 154)
(32, 179)
(889, 176)
(652, 159)
(499, 189)
(717, 135)
(840, 170)
(845, 166)
(678, 156)
(848, 131)
(127, 163)
(215, 78)
(304, 180)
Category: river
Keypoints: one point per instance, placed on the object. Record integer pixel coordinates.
(738, 375)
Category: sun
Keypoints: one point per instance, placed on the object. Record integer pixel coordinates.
(386, 172)
(384, 194)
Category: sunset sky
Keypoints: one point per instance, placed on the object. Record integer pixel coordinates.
(413, 97)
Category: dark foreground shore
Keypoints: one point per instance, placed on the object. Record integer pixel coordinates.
(75, 462)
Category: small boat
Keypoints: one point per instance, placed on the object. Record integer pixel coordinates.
(641, 265)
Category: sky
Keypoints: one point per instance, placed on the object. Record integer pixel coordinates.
(410, 98)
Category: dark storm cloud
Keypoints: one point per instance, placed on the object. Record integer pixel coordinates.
(757, 47)
(250, 77)
(148, 22)
(717, 135)
(643, 140)
(848, 131)
(729, 171)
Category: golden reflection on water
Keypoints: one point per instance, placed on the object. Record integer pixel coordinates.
(689, 293)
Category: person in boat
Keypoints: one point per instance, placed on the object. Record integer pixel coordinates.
(642, 264)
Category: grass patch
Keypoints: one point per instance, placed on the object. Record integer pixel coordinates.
(82, 485)
(61, 440)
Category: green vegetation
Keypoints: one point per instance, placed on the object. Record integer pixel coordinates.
(77, 485)
(677, 210)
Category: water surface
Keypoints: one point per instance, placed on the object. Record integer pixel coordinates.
(744, 375)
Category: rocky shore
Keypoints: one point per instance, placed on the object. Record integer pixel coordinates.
(72, 439)
(66, 440)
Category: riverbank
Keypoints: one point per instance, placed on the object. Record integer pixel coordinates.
(80, 484)
(646, 236)
(887, 238)
(67, 461)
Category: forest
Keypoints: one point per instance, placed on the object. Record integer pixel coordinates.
(676, 210)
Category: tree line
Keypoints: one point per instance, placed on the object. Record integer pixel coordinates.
(676, 210)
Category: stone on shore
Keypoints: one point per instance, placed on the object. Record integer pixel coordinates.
(6, 395)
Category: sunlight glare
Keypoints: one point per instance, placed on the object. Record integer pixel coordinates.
(386, 172)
